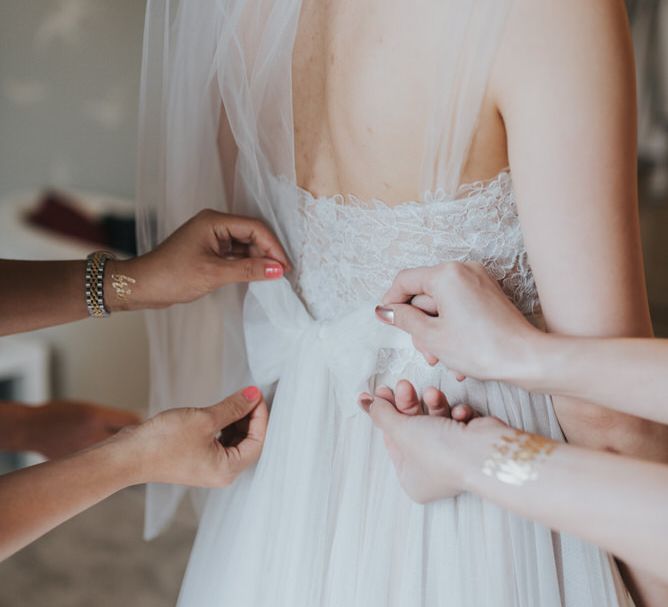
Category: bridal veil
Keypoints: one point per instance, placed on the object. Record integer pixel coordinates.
(216, 131)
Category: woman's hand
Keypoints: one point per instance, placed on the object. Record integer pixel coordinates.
(457, 314)
(178, 446)
(433, 453)
(206, 447)
(207, 252)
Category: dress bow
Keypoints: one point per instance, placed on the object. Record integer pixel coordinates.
(279, 331)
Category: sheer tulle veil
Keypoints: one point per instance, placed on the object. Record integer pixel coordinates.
(216, 131)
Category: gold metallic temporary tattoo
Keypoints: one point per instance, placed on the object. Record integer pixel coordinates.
(515, 458)
(121, 284)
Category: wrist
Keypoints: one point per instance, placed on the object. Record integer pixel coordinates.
(472, 463)
(553, 357)
(143, 452)
(125, 459)
(461, 455)
(526, 367)
(123, 286)
(480, 437)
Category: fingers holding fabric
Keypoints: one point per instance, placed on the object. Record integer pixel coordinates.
(260, 240)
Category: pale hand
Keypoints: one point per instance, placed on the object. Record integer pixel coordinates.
(434, 447)
(457, 314)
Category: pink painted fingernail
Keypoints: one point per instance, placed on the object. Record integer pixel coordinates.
(251, 393)
(273, 270)
(385, 314)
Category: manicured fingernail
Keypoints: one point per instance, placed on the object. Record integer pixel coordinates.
(251, 393)
(273, 270)
(385, 314)
(365, 400)
(458, 412)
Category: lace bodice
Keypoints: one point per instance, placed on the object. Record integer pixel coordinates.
(352, 249)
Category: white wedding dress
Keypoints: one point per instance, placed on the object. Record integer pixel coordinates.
(321, 521)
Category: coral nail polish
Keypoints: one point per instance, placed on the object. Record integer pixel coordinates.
(273, 270)
(251, 393)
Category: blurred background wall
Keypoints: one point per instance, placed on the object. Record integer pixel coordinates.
(69, 84)
(69, 81)
(650, 33)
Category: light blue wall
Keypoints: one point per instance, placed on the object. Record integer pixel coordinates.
(69, 79)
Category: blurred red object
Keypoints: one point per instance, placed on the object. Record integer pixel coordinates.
(59, 213)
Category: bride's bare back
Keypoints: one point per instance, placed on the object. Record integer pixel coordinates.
(363, 92)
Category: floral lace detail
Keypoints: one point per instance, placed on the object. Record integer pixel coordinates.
(394, 365)
(353, 249)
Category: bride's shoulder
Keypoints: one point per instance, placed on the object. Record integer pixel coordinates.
(560, 24)
(570, 42)
(553, 12)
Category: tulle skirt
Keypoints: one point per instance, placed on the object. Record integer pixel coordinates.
(322, 521)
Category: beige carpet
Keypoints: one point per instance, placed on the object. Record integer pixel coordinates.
(100, 560)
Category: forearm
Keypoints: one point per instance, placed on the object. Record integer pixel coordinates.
(609, 393)
(605, 429)
(14, 427)
(207, 252)
(628, 375)
(37, 499)
(181, 446)
(578, 491)
(37, 294)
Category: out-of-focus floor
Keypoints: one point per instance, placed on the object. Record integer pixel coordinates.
(100, 559)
